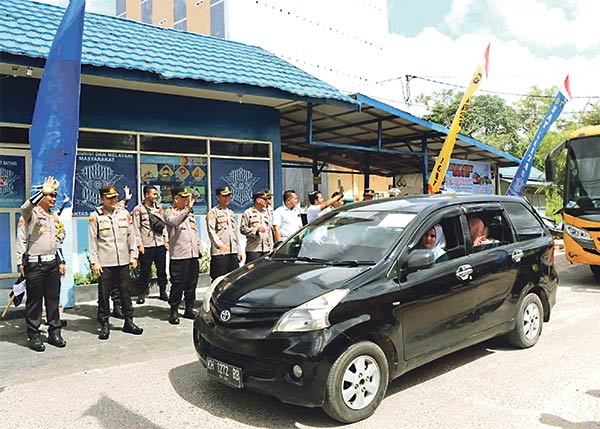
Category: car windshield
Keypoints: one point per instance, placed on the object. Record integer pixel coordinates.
(348, 238)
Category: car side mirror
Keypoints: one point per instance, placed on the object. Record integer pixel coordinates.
(550, 169)
(420, 259)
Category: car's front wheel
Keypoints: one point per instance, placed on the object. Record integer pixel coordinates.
(530, 318)
(596, 271)
(357, 383)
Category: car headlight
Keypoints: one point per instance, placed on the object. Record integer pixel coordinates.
(580, 236)
(208, 293)
(311, 315)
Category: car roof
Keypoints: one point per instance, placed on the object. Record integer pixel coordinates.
(418, 203)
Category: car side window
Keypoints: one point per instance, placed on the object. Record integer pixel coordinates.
(444, 237)
(488, 228)
(525, 222)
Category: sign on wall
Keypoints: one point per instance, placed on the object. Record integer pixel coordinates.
(97, 169)
(12, 181)
(243, 176)
(469, 176)
(164, 171)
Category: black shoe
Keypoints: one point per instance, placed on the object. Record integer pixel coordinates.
(118, 312)
(131, 328)
(56, 339)
(141, 299)
(189, 314)
(174, 317)
(104, 331)
(163, 296)
(36, 344)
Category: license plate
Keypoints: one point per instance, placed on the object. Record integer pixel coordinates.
(228, 374)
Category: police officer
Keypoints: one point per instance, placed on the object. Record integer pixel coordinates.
(184, 251)
(113, 250)
(222, 233)
(152, 241)
(43, 265)
(257, 226)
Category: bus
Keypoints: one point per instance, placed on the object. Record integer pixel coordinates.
(581, 196)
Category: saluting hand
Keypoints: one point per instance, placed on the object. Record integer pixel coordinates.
(48, 186)
(127, 192)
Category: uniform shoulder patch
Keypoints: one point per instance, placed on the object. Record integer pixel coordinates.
(21, 222)
(91, 219)
(211, 215)
(136, 213)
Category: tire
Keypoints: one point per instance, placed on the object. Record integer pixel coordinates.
(365, 364)
(530, 318)
(596, 271)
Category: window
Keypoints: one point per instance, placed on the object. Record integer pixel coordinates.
(444, 237)
(121, 8)
(488, 227)
(526, 224)
(258, 150)
(14, 135)
(217, 18)
(106, 141)
(172, 144)
(147, 11)
(179, 10)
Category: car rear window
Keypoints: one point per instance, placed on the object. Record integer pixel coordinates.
(525, 222)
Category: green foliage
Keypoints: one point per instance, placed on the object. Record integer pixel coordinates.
(591, 114)
(84, 279)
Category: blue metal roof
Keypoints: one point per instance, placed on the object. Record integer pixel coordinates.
(434, 126)
(27, 28)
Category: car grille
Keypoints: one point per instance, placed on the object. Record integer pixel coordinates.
(256, 367)
(241, 317)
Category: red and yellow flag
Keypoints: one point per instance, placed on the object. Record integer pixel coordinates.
(441, 165)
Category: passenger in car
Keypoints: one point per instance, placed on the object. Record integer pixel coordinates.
(477, 231)
(434, 240)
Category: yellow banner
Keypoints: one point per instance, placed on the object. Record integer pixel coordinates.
(441, 165)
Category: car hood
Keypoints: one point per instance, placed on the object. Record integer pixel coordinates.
(282, 284)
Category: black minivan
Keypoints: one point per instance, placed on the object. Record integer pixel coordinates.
(374, 289)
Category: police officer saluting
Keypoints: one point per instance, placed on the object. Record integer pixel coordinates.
(112, 251)
(184, 251)
(43, 265)
(257, 226)
(222, 232)
(152, 241)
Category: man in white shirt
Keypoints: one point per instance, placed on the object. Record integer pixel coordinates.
(317, 204)
(286, 219)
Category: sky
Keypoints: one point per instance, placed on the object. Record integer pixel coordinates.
(369, 46)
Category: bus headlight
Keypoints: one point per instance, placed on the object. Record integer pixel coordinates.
(581, 236)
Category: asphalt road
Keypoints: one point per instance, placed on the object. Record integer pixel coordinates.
(155, 381)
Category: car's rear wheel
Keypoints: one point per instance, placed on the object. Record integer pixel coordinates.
(357, 383)
(530, 318)
(596, 271)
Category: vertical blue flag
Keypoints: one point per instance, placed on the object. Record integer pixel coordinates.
(55, 125)
(517, 186)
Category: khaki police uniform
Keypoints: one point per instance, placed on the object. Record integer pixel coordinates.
(112, 244)
(184, 251)
(258, 243)
(154, 247)
(222, 230)
(44, 234)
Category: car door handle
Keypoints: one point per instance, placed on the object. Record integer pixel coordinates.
(517, 255)
(464, 272)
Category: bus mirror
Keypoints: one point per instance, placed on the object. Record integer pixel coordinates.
(550, 169)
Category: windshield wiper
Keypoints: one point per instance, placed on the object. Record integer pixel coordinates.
(305, 259)
(352, 263)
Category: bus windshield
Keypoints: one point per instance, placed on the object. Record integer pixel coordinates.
(582, 187)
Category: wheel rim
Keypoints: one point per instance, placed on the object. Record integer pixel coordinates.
(360, 383)
(531, 321)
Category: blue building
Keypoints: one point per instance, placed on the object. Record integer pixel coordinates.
(158, 106)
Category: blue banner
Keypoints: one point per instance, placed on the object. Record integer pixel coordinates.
(55, 125)
(12, 181)
(243, 176)
(517, 186)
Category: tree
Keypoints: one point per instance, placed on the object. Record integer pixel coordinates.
(590, 114)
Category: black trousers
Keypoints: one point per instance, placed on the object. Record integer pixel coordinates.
(251, 256)
(43, 282)
(157, 255)
(223, 264)
(111, 277)
(184, 278)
